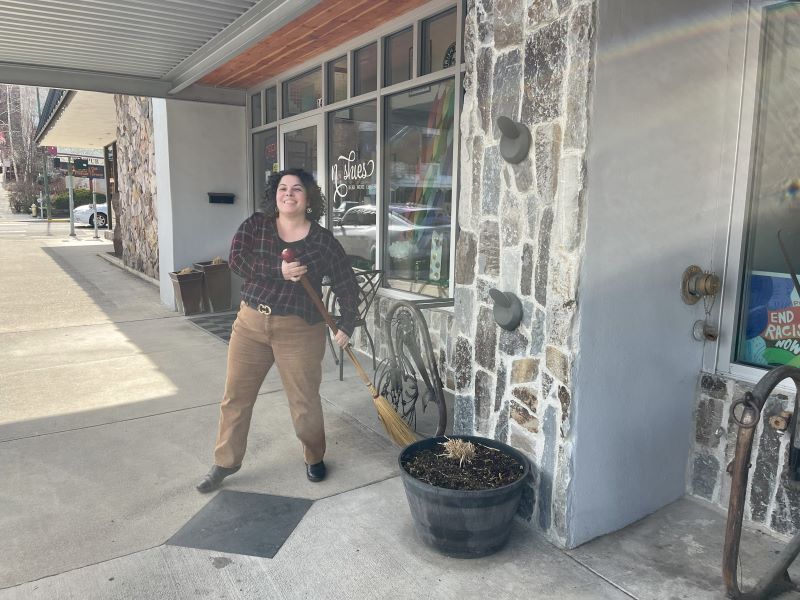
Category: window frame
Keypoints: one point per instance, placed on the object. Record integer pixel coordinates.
(738, 151)
(284, 87)
(422, 25)
(413, 19)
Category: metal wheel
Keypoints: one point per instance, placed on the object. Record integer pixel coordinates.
(409, 378)
(101, 220)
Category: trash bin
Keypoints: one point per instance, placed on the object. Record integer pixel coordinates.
(216, 284)
(188, 288)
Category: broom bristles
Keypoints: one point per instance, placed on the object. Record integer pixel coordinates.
(398, 430)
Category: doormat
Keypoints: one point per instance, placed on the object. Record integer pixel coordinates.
(243, 523)
(217, 324)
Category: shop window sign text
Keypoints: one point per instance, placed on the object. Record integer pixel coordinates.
(348, 174)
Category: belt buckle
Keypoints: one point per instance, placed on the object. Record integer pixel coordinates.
(264, 309)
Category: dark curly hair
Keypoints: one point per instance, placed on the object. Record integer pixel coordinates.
(314, 196)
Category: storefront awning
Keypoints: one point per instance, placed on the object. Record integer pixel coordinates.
(322, 28)
(187, 49)
(82, 120)
(156, 48)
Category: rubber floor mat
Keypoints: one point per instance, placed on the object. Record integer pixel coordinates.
(218, 324)
(243, 523)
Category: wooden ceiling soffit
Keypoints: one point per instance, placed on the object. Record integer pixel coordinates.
(328, 25)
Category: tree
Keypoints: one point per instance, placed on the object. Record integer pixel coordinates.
(18, 122)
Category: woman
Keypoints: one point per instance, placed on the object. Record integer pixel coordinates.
(277, 321)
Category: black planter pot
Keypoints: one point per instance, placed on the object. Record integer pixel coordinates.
(463, 523)
(216, 285)
(188, 290)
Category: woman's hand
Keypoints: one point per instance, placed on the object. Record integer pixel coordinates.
(341, 338)
(292, 270)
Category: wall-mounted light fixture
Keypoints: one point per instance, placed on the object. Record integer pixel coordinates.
(515, 140)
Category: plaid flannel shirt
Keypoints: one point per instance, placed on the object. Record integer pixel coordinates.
(256, 257)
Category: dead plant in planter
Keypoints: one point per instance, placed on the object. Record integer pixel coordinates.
(463, 492)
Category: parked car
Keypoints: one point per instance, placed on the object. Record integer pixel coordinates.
(84, 215)
(411, 231)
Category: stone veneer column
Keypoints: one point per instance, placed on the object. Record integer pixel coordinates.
(521, 230)
(772, 499)
(137, 183)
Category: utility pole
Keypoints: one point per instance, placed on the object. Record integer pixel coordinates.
(71, 201)
(94, 202)
(44, 164)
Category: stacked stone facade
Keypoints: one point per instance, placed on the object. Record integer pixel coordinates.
(137, 183)
(772, 500)
(521, 231)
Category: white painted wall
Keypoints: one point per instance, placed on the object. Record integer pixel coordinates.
(199, 148)
(655, 191)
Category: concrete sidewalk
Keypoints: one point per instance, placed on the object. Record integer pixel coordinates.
(108, 411)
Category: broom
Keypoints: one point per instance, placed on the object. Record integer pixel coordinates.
(397, 429)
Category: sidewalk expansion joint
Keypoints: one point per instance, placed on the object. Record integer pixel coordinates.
(99, 562)
(599, 575)
(158, 414)
(103, 323)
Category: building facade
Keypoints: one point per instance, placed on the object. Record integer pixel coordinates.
(661, 139)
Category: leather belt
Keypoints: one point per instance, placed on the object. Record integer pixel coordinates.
(266, 309)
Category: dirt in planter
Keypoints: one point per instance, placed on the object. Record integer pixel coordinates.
(488, 470)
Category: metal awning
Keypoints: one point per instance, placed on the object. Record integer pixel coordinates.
(80, 119)
(156, 48)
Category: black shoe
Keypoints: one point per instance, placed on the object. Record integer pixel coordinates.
(316, 472)
(214, 478)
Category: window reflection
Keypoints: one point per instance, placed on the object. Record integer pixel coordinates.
(769, 329)
(419, 162)
(303, 93)
(399, 57)
(337, 80)
(365, 65)
(272, 104)
(255, 110)
(439, 42)
(265, 161)
(352, 176)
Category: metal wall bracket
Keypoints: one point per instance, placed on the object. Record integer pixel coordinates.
(515, 140)
(507, 309)
(695, 284)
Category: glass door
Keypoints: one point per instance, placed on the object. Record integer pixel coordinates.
(303, 146)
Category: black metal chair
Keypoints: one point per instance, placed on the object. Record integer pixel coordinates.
(369, 282)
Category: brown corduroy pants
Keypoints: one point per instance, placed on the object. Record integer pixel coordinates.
(257, 342)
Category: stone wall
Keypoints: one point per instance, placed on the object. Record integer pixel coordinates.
(521, 230)
(137, 183)
(769, 501)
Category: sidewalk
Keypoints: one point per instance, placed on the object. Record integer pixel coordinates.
(108, 411)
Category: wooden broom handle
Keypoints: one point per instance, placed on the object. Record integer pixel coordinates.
(318, 303)
(289, 256)
(332, 324)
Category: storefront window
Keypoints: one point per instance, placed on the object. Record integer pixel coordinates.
(769, 327)
(352, 177)
(418, 187)
(399, 57)
(365, 65)
(255, 110)
(272, 104)
(337, 80)
(265, 161)
(439, 42)
(303, 93)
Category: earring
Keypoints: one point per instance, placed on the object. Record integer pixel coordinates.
(308, 210)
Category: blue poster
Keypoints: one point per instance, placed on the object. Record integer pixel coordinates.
(772, 329)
